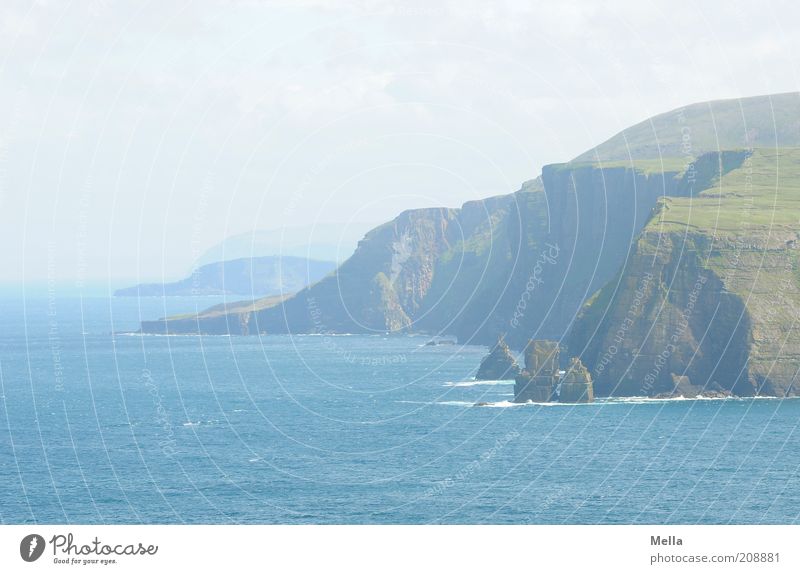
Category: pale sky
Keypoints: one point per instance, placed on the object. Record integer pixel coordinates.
(136, 135)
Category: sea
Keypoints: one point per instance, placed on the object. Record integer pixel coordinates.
(99, 425)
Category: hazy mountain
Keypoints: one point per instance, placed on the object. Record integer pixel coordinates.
(322, 242)
(251, 277)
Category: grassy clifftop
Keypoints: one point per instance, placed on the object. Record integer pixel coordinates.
(763, 195)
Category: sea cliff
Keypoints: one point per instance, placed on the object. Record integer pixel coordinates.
(708, 303)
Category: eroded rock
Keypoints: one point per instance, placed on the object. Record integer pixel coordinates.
(576, 384)
(537, 382)
(499, 364)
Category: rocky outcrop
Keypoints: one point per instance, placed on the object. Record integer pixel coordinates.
(499, 364)
(543, 382)
(537, 382)
(576, 384)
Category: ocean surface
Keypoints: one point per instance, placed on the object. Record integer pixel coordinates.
(104, 428)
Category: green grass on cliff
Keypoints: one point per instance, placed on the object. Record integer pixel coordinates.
(675, 165)
(762, 194)
(234, 307)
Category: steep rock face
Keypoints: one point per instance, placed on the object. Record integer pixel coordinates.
(520, 264)
(379, 288)
(667, 322)
(595, 217)
(548, 252)
(475, 282)
(710, 300)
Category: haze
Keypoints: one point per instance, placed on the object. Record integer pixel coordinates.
(135, 136)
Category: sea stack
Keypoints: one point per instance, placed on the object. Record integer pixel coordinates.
(537, 381)
(499, 364)
(576, 384)
(542, 382)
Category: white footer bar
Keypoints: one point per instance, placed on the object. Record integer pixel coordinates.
(401, 549)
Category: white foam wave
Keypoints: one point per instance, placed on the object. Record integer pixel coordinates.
(479, 383)
(499, 404)
(655, 400)
(495, 404)
(327, 335)
(196, 335)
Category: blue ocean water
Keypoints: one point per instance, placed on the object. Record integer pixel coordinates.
(103, 428)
